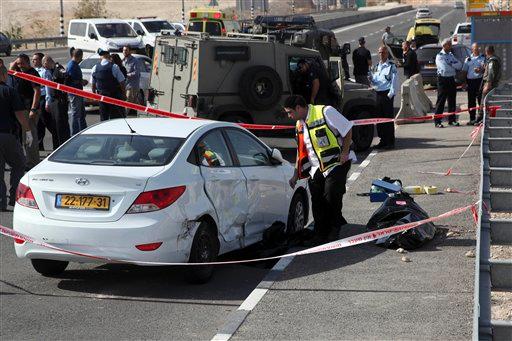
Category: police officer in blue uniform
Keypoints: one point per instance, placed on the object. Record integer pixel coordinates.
(447, 67)
(108, 80)
(384, 80)
(473, 68)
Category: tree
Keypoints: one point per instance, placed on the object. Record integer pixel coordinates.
(91, 9)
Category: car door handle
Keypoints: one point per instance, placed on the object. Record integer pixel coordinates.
(221, 171)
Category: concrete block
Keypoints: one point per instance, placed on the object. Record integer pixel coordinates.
(501, 271)
(501, 122)
(501, 231)
(500, 143)
(501, 200)
(500, 158)
(504, 113)
(500, 131)
(501, 177)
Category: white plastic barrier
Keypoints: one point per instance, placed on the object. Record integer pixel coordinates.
(414, 102)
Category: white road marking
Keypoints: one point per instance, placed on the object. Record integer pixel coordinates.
(347, 28)
(446, 14)
(231, 326)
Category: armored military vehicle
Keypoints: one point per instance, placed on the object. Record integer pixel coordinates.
(246, 78)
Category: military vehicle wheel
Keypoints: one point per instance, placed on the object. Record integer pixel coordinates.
(362, 136)
(260, 87)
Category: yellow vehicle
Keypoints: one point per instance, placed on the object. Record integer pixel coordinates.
(212, 21)
(425, 31)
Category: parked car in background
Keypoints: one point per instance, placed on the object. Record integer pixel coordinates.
(5, 44)
(212, 21)
(107, 34)
(458, 5)
(423, 12)
(462, 34)
(427, 61)
(88, 63)
(425, 31)
(156, 190)
(148, 28)
(179, 26)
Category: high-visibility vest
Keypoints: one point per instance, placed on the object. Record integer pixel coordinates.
(323, 139)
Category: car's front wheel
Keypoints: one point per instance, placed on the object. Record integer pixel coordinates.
(205, 249)
(48, 267)
(297, 215)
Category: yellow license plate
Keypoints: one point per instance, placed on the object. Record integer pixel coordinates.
(82, 202)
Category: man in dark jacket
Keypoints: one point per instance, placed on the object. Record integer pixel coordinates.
(362, 60)
(108, 80)
(492, 75)
(410, 61)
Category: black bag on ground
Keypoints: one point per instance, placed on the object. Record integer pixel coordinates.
(400, 209)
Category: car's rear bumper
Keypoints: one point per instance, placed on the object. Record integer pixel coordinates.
(110, 241)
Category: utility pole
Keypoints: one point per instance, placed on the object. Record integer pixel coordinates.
(252, 9)
(62, 18)
(182, 12)
(293, 6)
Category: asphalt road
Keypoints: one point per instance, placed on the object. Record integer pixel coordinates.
(127, 302)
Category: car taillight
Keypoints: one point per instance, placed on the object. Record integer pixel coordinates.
(148, 247)
(25, 197)
(156, 200)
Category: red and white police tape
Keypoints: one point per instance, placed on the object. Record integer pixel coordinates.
(474, 134)
(335, 245)
(158, 112)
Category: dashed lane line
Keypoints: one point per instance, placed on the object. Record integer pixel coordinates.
(237, 317)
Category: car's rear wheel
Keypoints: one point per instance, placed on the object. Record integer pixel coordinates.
(205, 249)
(297, 215)
(48, 267)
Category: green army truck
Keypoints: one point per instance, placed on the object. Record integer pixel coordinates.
(246, 78)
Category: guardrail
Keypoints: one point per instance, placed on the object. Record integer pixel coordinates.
(56, 41)
(496, 198)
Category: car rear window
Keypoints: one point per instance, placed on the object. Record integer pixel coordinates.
(464, 29)
(427, 54)
(118, 150)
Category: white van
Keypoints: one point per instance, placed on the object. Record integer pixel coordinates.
(107, 34)
(148, 28)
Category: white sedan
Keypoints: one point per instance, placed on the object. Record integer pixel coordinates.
(155, 190)
(145, 62)
(423, 12)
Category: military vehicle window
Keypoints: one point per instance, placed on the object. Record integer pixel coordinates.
(195, 26)
(232, 53)
(213, 28)
(181, 56)
(167, 54)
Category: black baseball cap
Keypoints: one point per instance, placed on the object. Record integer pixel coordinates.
(102, 52)
(361, 40)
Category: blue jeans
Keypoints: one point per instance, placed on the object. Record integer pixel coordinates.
(76, 113)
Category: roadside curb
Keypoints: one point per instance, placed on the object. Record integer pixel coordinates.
(237, 317)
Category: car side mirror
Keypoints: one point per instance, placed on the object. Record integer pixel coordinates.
(93, 36)
(451, 32)
(140, 33)
(277, 157)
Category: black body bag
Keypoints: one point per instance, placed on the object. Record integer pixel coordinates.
(399, 209)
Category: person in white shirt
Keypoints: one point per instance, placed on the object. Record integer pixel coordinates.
(324, 136)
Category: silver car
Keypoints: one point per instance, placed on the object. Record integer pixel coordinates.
(88, 63)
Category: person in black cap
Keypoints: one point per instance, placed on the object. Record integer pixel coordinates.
(362, 60)
(316, 83)
(108, 80)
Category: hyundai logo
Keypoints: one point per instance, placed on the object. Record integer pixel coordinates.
(82, 181)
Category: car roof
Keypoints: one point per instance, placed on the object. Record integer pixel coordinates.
(439, 46)
(464, 24)
(100, 21)
(423, 9)
(146, 19)
(141, 56)
(154, 126)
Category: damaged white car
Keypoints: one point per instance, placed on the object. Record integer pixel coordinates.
(155, 190)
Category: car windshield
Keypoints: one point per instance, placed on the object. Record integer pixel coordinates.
(464, 29)
(89, 63)
(157, 26)
(195, 26)
(427, 29)
(116, 30)
(428, 54)
(118, 150)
